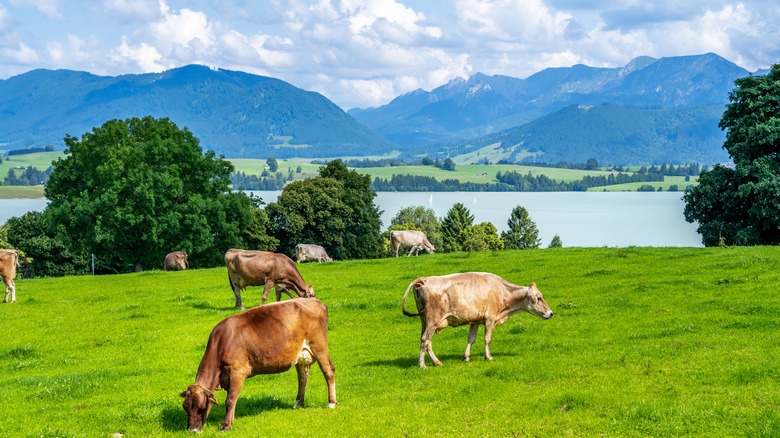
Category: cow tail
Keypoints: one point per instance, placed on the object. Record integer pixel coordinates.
(403, 305)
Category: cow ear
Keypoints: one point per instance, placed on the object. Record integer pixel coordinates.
(183, 394)
(211, 397)
(533, 285)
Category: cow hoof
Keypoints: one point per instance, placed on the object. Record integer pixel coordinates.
(332, 405)
(466, 359)
(438, 363)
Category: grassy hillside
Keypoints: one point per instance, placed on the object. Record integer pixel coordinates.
(644, 342)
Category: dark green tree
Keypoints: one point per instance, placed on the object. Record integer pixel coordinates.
(740, 206)
(133, 190)
(448, 164)
(362, 235)
(522, 233)
(556, 242)
(49, 255)
(420, 218)
(458, 218)
(273, 165)
(310, 211)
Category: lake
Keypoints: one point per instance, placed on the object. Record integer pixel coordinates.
(579, 218)
(615, 219)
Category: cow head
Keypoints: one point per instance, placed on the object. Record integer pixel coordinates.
(309, 292)
(197, 403)
(535, 303)
(181, 261)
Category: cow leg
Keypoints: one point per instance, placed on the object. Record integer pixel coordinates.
(321, 355)
(233, 390)
(426, 346)
(411, 250)
(267, 288)
(237, 293)
(10, 289)
(473, 327)
(488, 337)
(303, 379)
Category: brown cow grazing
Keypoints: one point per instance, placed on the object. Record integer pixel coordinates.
(9, 261)
(416, 240)
(256, 268)
(264, 340)
(472, 298)
(176, 261)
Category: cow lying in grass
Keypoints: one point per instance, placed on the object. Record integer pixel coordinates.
(268, 339)
(472, 298)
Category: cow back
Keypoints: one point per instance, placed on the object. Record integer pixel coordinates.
(269, 337)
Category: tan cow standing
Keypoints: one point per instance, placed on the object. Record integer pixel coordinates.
(262, 268)
(472, 298)
(176, 261)
(414, 239)
(264, 340)
(9, 261)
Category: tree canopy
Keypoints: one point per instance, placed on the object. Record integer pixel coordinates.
(457, 220)
(335, 210)
(130, 191)
(522, 233)
(739, 205)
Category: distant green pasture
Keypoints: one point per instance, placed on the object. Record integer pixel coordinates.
(38, 160)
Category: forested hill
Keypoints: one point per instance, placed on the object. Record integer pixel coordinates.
(233, 113)
(612, 134)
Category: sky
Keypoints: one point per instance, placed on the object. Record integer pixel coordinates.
(365, 53)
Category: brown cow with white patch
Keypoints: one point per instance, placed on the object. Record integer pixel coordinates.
(269, 269)
(472, 298)
(176, 261)
(264, 340)
(9, 261)
(416, 240)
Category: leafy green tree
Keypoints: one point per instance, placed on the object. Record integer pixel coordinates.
(310, 211)
(458, 218)
(133, 190)
(362, 237)
(420, 218)
(48, 254)
(448, 164)
(273, 165)
(481, 237)
(740, 206)
(556, 242)
(522, 233)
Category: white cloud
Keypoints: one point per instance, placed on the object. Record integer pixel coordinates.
(188, 28)
(21, 54)
(141, 56)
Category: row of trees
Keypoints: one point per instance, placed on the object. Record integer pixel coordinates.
(29, 176)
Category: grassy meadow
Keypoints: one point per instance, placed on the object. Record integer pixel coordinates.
(644, 342)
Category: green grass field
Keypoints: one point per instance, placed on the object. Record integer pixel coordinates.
(644, 342)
